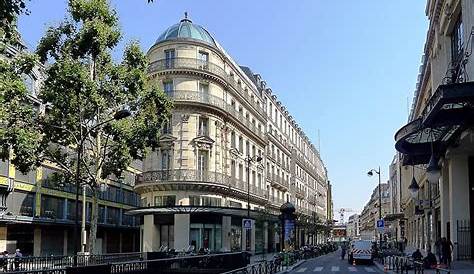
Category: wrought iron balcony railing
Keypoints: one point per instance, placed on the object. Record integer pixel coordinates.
(212, 100)
(202, 65)
(190, 175)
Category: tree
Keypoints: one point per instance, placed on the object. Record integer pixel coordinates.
(82, 91)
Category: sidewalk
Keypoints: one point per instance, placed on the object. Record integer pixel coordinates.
(461, 267)
(261, 257)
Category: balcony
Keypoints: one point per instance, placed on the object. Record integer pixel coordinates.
(207, 67)
(299, 193)
(187, 179)
(193, 97)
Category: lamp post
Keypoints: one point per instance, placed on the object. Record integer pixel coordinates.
(249, 160)
(371, 173)
(121, 114)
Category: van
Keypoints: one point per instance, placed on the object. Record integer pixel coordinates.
(360, 251)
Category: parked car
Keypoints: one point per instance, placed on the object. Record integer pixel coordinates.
(360, 250)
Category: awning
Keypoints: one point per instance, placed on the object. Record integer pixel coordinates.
(182, 209)
(448, 112)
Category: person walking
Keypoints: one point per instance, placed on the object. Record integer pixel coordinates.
(17, 259)
(446, 251)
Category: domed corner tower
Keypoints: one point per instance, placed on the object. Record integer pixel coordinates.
(195, 187)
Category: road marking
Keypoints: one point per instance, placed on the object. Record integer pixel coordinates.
(302, 270)
(318, 269)
(369, 269)
(335, 268)
(352, 269)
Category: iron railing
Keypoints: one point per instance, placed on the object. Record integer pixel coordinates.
(265, 267)
(30, 263)
(206, 66)
(212, 100)
(463, 246)
(400, 264)
(192, 175)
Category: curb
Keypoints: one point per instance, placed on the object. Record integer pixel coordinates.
(292, 267)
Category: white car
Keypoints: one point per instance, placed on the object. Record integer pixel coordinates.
(360, 251)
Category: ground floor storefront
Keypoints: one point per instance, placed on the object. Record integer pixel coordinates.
(54, 239)
(207, 231)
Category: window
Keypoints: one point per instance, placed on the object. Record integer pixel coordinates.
(232, 169)
(232, 103)
(457, 41)
(203, 129)
(168, 200)
(169, 58)
(247, 148)
(241, 172)
(194, 200)
(210, 201)
(232, 140)
(241, 144)
(203, 58)
(253, 151)
(204, 88)
(167, 129)
(165, 160)
(203, 159)
(52, 207)
(143, 202)
(168, 87)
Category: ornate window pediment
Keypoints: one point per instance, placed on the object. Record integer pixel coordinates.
(167, 140)
(203, 142)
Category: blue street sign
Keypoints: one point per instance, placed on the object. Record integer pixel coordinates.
(247, 223)
(380, 223)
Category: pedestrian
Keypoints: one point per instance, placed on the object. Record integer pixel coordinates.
(446, 250)
(417, 256)
(3, 261)
(17, 259)
(438, 249)
(343, 251)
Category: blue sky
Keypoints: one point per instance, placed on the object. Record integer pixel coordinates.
(347, 68)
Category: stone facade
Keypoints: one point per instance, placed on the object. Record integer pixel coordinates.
(229, 141)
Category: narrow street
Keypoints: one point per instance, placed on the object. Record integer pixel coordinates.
(332, 263)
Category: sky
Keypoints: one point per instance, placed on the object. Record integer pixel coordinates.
(346, 69)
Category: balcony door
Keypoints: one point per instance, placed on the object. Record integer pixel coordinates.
(203, 59)
(203, 164)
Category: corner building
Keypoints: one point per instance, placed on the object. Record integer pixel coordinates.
(195, 187)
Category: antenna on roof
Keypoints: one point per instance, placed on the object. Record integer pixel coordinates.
(185, 15)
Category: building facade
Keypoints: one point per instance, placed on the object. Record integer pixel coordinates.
(353, 227)
(37, 215)
(436, 145)
(370, 213)
(229, 142)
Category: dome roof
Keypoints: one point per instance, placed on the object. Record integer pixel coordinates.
(185, 29)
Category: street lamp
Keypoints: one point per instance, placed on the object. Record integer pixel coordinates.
(371, 173)
(249, 160)
(433, 171)
(414, 188)
(121, 114)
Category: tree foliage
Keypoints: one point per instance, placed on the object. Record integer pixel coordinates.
(83, 89)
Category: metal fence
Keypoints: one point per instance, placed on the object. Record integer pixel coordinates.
(32, 264)
(265, 267)
(463, 247)
(400, 264)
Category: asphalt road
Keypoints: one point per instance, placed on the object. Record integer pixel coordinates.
(332, 263)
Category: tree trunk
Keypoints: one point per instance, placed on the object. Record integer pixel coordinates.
(94, 220)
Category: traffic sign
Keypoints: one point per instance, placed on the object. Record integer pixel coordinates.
(380, 225)
(247, 223)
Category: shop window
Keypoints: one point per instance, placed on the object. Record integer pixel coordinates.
(27, 206)
(29, 177)
(3, 168)
(167, 236)
(52, 207)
